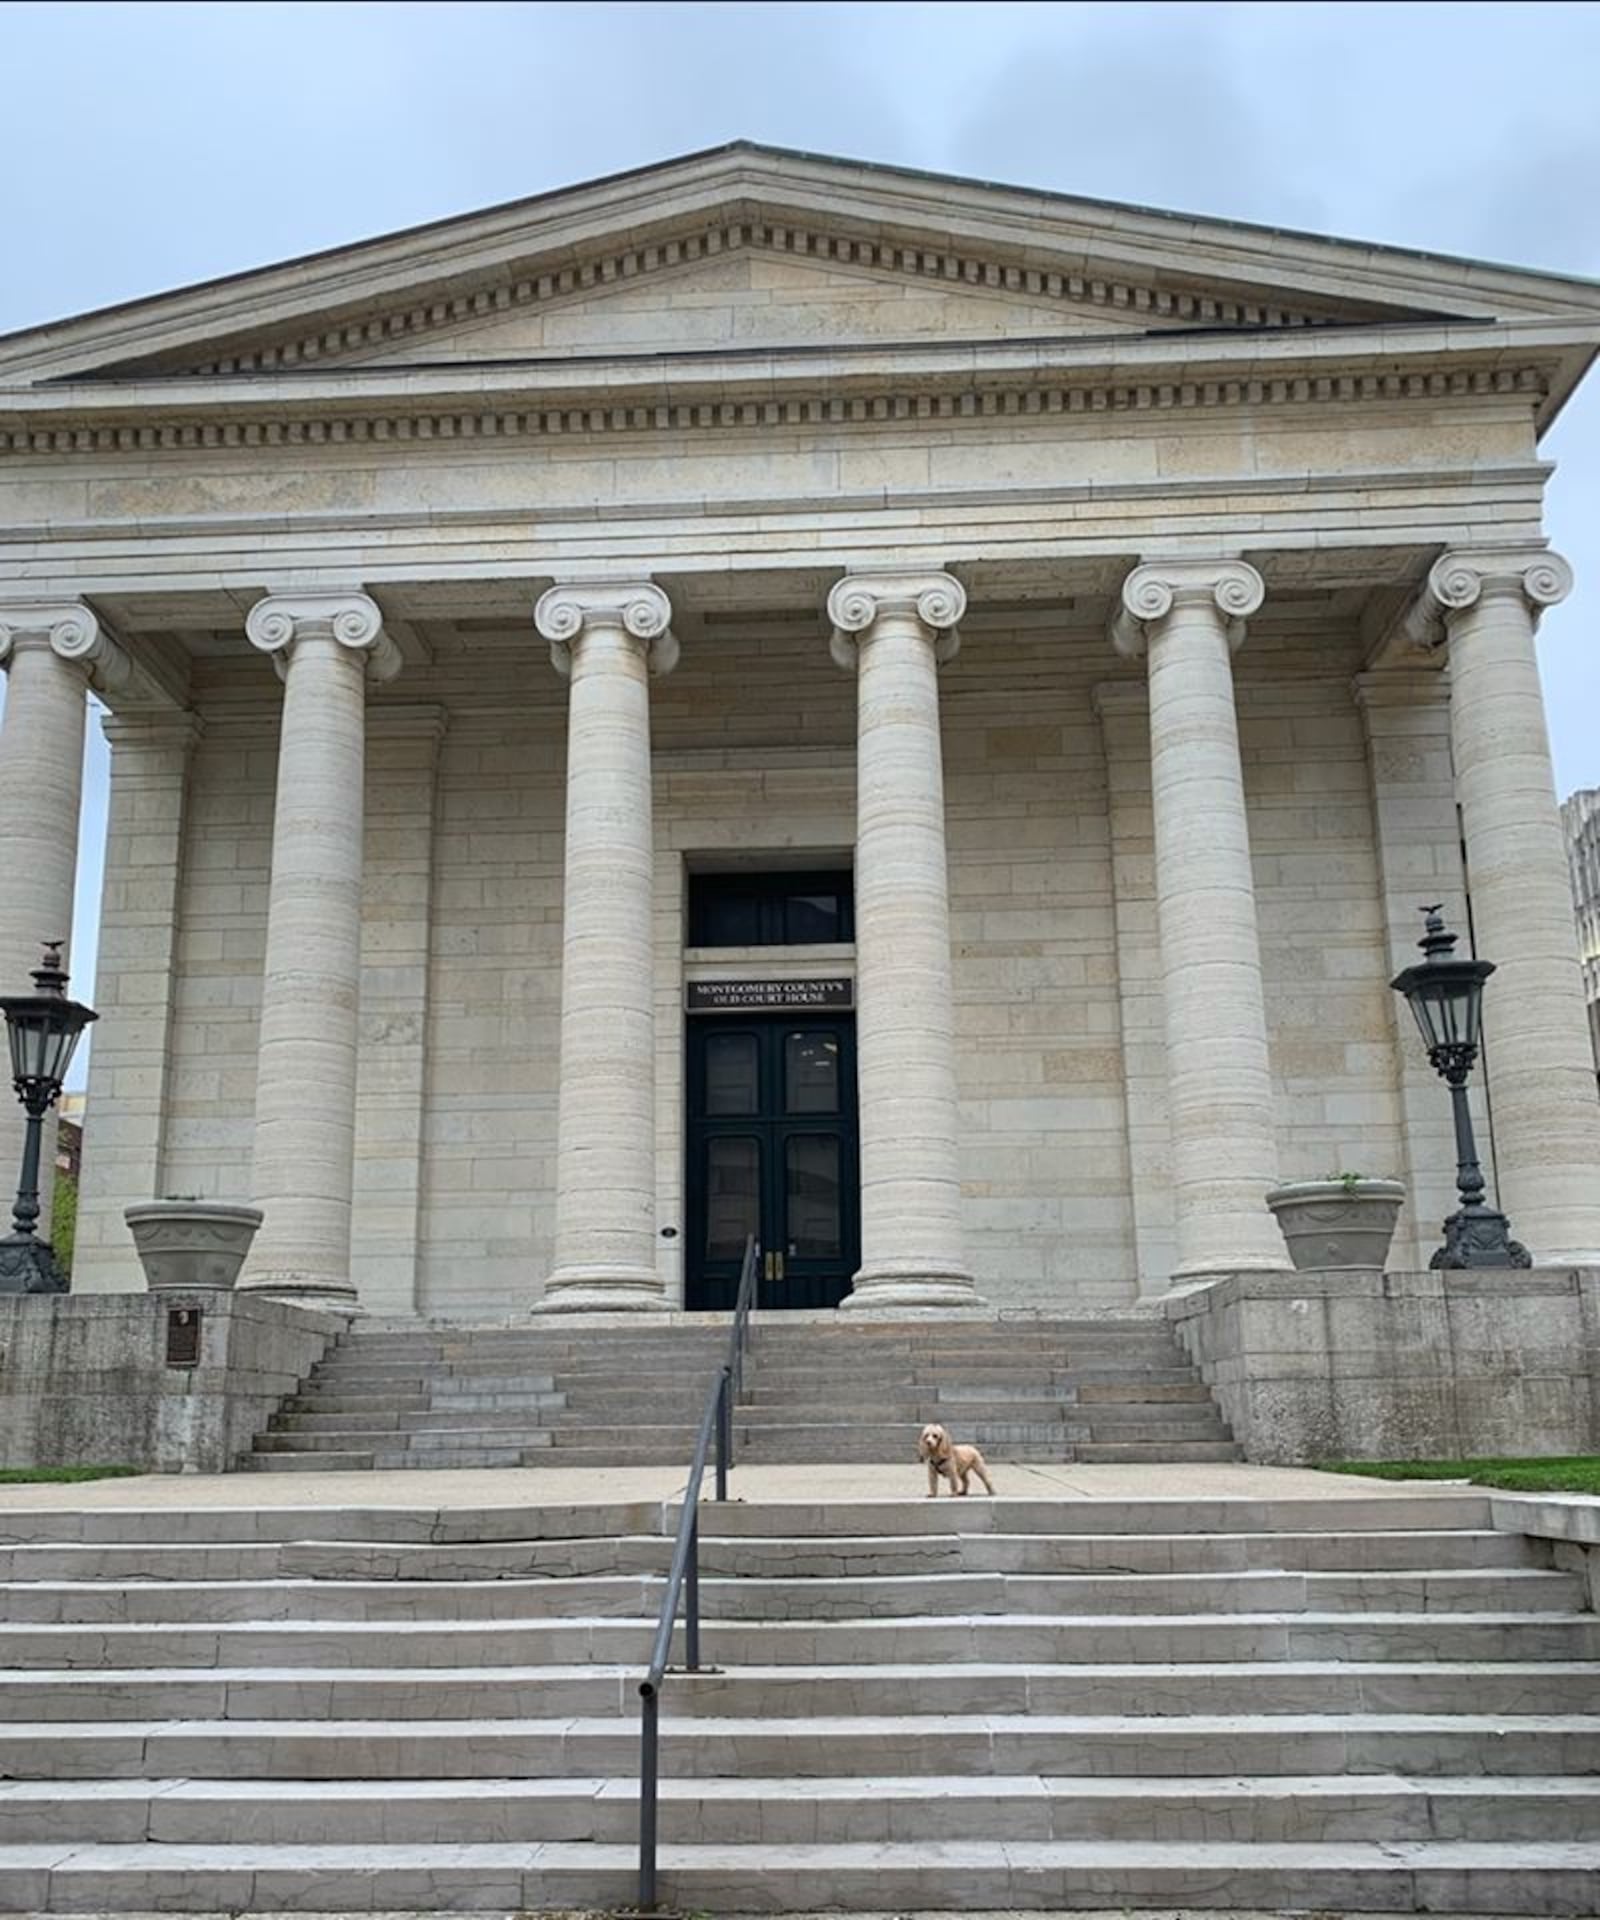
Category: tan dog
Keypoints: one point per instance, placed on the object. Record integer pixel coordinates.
(957, 1464)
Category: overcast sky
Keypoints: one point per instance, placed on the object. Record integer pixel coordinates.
(150, 146)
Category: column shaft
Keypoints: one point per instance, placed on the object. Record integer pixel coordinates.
(41, 791)
(1536, 1038)
(1220, 1080)
(911, 1249)
(608, 638)
(311, 982)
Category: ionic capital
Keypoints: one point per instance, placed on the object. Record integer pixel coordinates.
(936, 601)
(73, 633)
(1232, 588)
(1460, 580)
(276, 623)
(637, 608)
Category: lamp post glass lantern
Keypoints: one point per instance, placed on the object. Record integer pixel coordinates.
(42, 1030)
(1445, 995)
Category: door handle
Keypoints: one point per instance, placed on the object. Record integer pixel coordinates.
(771, 1274)
(779, 1258)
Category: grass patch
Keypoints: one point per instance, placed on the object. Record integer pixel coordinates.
(1574, 1473)
(61, 1476)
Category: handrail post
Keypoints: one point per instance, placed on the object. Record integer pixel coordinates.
(691, 1602)
(724, 1435)
(649, 1731)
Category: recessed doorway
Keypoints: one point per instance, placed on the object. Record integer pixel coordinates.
(772, 1150)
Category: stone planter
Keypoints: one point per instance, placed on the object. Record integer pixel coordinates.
(1337, 1223)
(191, 1246)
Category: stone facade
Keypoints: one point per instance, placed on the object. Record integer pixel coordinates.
(1241, 541)
(1580, 817)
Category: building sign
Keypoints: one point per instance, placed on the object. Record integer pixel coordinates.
(763, 996)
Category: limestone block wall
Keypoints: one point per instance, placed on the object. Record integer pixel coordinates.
(1045, 1170)
(1324, 941)
(221, 942)
(494, 1001)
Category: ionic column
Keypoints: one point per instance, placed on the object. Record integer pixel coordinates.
(1188, 617)
(326, 646)
(607, 638)
(1536, 1037)
(895, 629)
(50, 652)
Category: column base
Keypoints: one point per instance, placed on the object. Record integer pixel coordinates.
(603, 1290)
(894, 1288)
(303, 1290)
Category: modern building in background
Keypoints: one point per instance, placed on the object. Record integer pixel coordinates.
(766, 694)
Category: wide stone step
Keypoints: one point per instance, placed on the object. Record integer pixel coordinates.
(1419, 1512)
(787, 1693)
(353, 1460)
(788, 1812)
(908, 1554)
(440, 1640)
(434, 1439)
(970, 1876)
(860, 1746)
(746, 1597)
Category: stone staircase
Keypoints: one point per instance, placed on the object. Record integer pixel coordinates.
(1365, 1703)
(558, 1395)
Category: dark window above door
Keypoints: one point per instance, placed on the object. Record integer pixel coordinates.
(771, 909)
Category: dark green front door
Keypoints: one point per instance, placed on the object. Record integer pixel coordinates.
(772, 1151)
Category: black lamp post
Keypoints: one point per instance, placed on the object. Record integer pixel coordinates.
(42, 1028)
(1446, 996)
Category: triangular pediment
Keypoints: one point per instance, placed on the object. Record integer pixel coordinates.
(748, 296)
(754, 248)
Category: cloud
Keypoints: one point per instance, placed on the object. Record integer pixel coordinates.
(1161, 112)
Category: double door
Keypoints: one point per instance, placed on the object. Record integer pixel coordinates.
(772, 1151)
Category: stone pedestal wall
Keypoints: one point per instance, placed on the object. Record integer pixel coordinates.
(85, 1380)
(1359, 1365)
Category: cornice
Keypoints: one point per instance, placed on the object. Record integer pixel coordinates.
(741, 393)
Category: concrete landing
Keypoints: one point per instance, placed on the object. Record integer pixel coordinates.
(604, 1486)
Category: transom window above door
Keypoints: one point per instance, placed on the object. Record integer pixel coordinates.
(771, 909)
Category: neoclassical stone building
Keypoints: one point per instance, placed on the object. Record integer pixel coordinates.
(768, 694)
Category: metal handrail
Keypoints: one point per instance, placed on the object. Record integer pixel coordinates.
(683, 1578)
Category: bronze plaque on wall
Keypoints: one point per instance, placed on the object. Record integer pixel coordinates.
(767, 996)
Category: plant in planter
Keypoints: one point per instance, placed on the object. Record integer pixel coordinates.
(189, 1245)
(1345, 1220)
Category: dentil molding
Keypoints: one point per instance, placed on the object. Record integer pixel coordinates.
(276, 623)
(639, 608)
(1155, 587)
(936, 601)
